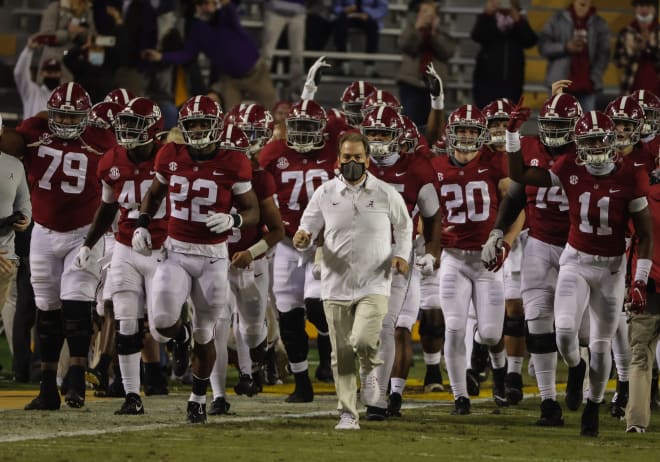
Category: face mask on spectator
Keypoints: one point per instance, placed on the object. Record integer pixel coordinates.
(96, 58)
(644, 18)
(504, 21)
(51, 82)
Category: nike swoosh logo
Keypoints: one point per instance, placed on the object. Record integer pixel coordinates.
(320, 161)
(152, 172)
(400, 173)
(612, 191)
(482, 170)
(214, 261)
(217, 173)
(335, 203)
(257, 275)
(138, 408)
(636, 164)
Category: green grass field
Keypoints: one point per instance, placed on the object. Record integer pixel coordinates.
(264, 428)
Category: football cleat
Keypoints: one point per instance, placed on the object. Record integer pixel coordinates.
(74, 399)
(589, 423)
(394, 405)
(376, 414)
(513, 387)
(303, 392)
(574, 383)
(619, 400)
(196, 413)
(551, 415)
(499, 389)
(44, 403)
(324, 373)
(219, 406)
(115, 390)
(246, 386)
(132, 405)
(433, 379)
(473, 382)
(462, 406)
(98, 379)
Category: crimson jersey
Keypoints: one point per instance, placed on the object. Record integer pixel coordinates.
(198, 189)
(598, 211)
(296, 178)
(130, 182)
(61, 174)
(653, 147)
(547, 208)
(469, 197)
(264, 187)
(641, 157)
(407, 175)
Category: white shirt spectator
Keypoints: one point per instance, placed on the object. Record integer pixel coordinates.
(359, 223)
(33, 95)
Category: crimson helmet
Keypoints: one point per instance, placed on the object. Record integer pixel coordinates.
(651, 105)
(439, 148)
(68, 103)
(466, 117)
(200, 109)
(232, 138)
(496, 111)
(594, 139)
(103, 115)
(557, 119)
(380, 98)
(255, 121)
(333, 113)
(410, 136)
(304, 126)
(383, 127)
(625, 110)
(120, 96)
(138, 123)
(352, 99)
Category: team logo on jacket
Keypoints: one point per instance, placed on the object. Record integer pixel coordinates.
(534, 163)
(282, 163)
(573, 179)
(440, 176)
(114, 173)
(173, 166)
(45, 138)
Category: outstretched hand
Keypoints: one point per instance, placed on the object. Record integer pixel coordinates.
(519, 115)
(433, 81)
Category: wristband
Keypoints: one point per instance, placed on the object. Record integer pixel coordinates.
(257, 249)
(643, 269)
(143, 220)
(512, 141)
(238, 220)
(438, 102)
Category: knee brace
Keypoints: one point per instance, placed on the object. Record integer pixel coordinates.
(203, 335)
(51, 334)
(541, 343)
(293, 335)
(77, 316)
(432, 324)
(514, 326)
(316, 315)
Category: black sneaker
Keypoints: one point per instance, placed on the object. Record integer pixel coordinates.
(499, 390)
(324, 373)
(219, 406)
(303, 392)
(115, 390)
(246, 386)
(589, 424)
(196, 413)
(44, 403)
(462, 406)
(132, 405)
(394, 405)
(619, 400)
(513, 387)
(473, 383)
(551, 415)
(574, 385)
(433, 379)
(180, 353)
(376, 414)
(98, 379)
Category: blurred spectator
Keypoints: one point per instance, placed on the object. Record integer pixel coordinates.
(637, 50)
(280, 112)
(422, 42)
(91, 67)
(289, 14)
(576, 42)
(503, 34)
(34, 96)
(217, 32)
(318, 27)
(63, 24)
(366, 15)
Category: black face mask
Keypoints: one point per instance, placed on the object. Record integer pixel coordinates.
(352, 171)
(51, 82)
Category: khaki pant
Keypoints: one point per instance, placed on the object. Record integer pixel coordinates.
(354, 331)
(643, 337)
(7, 280)
(256, 86)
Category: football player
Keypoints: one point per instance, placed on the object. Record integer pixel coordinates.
(61, 154)
(201, 181)
(603, 195)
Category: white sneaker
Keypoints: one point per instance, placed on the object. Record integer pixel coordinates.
(369, 389)
(347, 422)
(635, 429)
